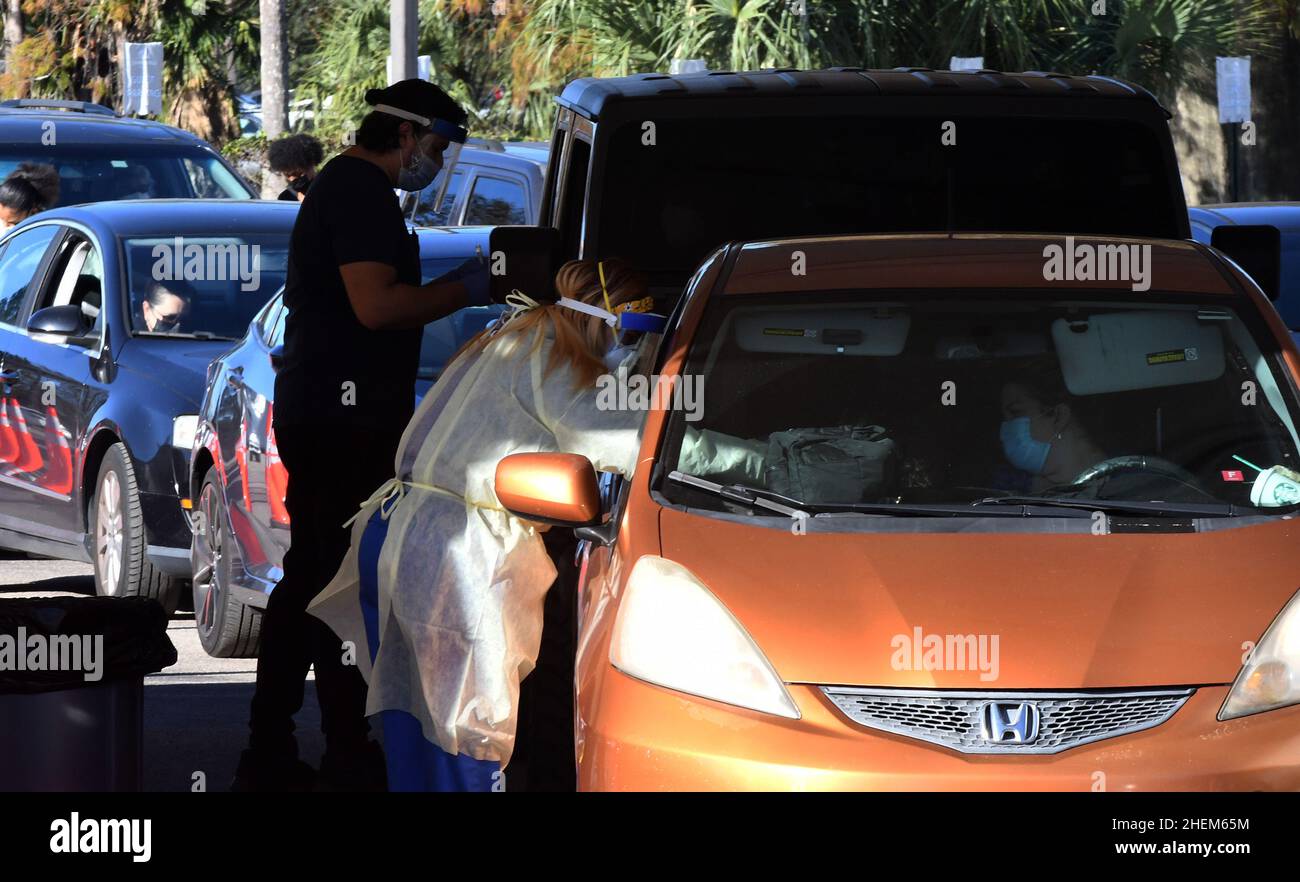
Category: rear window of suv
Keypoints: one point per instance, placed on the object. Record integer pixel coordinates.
(706, 180)
(105, 173)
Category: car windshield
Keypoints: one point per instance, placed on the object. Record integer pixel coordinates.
(202, 286)
(965, 398)
(106, 172)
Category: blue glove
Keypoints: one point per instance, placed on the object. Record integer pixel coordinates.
(473, 274)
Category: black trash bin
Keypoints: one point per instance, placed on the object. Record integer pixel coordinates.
(72, 690)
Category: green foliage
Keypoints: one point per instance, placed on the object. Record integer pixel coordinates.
(506, 60)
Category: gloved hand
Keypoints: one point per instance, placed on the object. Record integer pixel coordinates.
(473, 274)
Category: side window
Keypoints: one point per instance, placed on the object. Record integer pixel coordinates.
(427, 214)
(77, 280)
(276, 336)
(266, 321)
(547, 213)
(496, 201)
(21, 259)
(574, 195)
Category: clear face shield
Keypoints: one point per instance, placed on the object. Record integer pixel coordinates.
(450, 156)
(422, 170)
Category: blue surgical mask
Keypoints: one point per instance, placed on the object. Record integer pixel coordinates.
(615, 357)
(1021, 448)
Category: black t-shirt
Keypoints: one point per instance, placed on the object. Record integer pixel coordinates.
(288, 195)
(335, 369)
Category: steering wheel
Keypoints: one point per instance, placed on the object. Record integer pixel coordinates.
(1108, 468)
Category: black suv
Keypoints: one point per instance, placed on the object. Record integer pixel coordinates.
(102, 157)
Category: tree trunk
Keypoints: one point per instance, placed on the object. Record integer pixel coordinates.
(1271, 167)
(275, 70)
(13, 28)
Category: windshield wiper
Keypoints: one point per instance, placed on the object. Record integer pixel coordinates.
(1121, 506)
(186, 335)
(750, 497)
(756, 497)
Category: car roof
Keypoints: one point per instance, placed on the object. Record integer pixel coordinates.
(1283, 215)
(155, 217)
(27, 125)
(953, 260)
(507, 155)
(591, 96)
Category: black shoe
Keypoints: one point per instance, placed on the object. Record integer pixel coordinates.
(355, 769)
(261, 774)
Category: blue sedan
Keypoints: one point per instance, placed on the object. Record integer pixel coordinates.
(109, 316)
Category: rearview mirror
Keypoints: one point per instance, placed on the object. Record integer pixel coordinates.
(59, 321)
(1257, 249)
(554, 488)
(523, 257)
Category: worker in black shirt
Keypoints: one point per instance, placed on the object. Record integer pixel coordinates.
(344, 393)
(296, 157)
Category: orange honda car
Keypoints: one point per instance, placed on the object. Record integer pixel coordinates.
(947, 512)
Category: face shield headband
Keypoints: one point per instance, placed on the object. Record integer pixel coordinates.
(449, 130)
(633, 316)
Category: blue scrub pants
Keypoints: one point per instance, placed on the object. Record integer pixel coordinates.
(414, 763)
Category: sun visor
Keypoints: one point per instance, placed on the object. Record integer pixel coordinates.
(876, 331)
(1122, 351)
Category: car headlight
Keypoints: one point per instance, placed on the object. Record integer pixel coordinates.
(1270, 678)
(671, 631)
(183, 430)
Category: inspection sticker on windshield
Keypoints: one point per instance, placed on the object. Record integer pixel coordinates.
(1171, 356)
(790, 332)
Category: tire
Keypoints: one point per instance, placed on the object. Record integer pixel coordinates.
(227, 628)
(118, 537)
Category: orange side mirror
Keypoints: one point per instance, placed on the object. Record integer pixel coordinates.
(554, 488)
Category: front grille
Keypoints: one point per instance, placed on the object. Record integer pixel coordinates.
(963, 721)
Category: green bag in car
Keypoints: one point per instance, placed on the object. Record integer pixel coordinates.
(835, 464)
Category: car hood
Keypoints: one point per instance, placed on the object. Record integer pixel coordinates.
(179, 365)
(1069, 611)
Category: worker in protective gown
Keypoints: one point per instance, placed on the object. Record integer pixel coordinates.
(455, 584)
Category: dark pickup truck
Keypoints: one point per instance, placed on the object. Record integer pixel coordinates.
(662, 169)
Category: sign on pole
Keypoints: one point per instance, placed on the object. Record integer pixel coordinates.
(423, 68)
(687, 65)
(975, 62)
(1233, 79)
(142, 71)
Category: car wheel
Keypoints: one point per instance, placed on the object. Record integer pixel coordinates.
(118, 539)
(227, 628)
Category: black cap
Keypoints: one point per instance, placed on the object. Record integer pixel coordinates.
(420, 100)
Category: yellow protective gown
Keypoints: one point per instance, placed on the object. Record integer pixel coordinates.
(461, 581)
